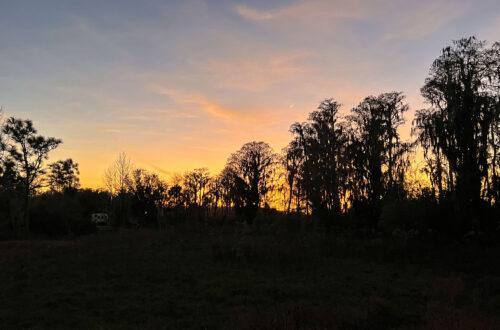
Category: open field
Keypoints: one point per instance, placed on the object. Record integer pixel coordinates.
(269, 277)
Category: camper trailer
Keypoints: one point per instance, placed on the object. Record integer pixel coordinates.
(101, 220)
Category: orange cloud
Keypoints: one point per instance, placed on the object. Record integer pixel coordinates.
(258, 73)
(198, 102)
(239, 116)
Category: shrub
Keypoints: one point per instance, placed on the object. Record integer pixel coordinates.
(56, 215)
(82, 226)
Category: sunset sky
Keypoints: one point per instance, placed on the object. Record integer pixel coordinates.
(181, 84)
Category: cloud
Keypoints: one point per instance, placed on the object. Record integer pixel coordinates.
(160, 169)
(232, 120)
(112, 130)
(396, 19)
(310, 9)
(258, 73)
(424, 19)
(255, 14)
(192, 100)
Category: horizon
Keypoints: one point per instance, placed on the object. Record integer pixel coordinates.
(178, 86)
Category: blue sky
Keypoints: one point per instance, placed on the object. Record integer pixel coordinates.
(181, 84)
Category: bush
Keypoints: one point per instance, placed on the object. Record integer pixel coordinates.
(56, 215)
(82, 226)
(422, 214)
(48, 221)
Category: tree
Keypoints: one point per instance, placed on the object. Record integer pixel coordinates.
(315, 158)
(148, 195)
(377, 154)
(27, 151)
(196, 184)
(218, 196)
(461, 125)
(3, 145)
(226, 189)
(174, 196)
(426, 125)
(11, 201)
(117, 179)
(63, 175)
(252, 168)
(292, 162)
(9, 180)
(117, 176)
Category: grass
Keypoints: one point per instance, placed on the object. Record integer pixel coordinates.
(231, 276)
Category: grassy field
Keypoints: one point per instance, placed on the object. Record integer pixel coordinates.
(269, 277)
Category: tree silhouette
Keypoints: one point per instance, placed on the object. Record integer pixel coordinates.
(117, 179)
(226, 189)
(292, 161)
(252, 169)
(461, 124)
(196, 186)
(377, 153)
(63, 175)
(148, 194)
(27, 151)
(314, 159)
(174, 196)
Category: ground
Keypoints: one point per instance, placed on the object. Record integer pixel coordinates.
(235, 276)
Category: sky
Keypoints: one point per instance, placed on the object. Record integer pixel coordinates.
(179, 85)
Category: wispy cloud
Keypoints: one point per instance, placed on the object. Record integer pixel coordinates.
(255, 14)
(310, 9)
(399, 19)
(240, 116)
(197, 101)
(160, 169)
(112, 130)
(424, 19)
(258, 72)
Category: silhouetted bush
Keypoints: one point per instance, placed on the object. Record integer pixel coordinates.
(61, 214)
(82, 226)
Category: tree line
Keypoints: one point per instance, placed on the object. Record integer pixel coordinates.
(335, 170)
